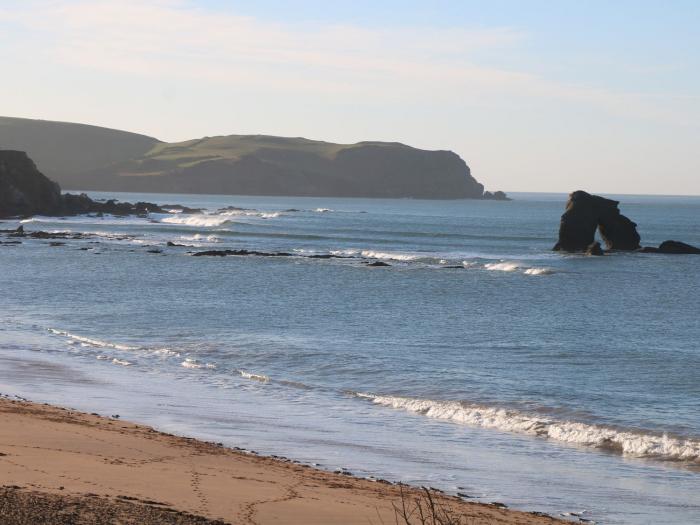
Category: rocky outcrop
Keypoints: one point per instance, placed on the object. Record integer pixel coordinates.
(594, 249)
(673, 247)
(586, 213)
(495, 196)
(82, 204)
(25, 191)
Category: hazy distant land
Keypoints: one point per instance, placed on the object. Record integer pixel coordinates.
(83, 157)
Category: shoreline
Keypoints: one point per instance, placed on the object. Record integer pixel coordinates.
(62, 462)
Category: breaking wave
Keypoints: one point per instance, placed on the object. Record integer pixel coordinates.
(193, 363)
(86, 341)
(114, 360)
(509, 266)
(372, 254)
(198, 237)
(97, 343)
(628, 443)
(502, 266)
(251, 213)
(254, 377)
(197, 220)
(539, 271)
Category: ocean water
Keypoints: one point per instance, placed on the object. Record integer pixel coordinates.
(478, 362)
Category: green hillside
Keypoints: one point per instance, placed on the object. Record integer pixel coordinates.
(82, 157)
(63, 150)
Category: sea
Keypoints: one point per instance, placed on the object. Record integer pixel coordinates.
(477, 361)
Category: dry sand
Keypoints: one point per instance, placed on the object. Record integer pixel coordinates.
(59, 466)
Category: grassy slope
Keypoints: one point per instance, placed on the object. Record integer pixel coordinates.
(233, 147)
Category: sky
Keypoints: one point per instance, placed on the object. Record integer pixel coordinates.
(535, 95)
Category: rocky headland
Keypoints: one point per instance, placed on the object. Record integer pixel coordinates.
(84, 157)
(25, 191)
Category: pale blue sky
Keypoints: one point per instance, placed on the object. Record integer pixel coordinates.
(534, 95)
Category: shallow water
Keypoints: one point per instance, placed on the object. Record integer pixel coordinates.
(478, 362)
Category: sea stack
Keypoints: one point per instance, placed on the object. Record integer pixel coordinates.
(586, 213)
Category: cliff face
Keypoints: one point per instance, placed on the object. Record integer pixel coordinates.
(23, 189)
(90, 158)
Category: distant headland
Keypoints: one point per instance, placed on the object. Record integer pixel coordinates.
(85, 157)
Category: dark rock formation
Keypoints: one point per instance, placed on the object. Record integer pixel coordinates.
(25, 191)
(584, 214)
(224, 253)
(378, 264)
(618, 232)
(82, 204)
(672, 247)
(495, 196)
(594, 249)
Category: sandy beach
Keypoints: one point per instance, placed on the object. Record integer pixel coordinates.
(61, 466)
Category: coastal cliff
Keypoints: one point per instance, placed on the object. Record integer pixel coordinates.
(91, 158)
(25, 191)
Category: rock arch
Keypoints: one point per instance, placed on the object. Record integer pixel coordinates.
(586, 213)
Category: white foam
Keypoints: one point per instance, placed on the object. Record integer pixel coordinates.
(96, 343)
(539, 271)
(502, 266)
(254, 377)
(193, 363)
(166, 352)
(197, 220)
(121, 362)
(86, 341)
(393, 256)
(251, 213)
(626, 442)
(198, 237)
(322, 210)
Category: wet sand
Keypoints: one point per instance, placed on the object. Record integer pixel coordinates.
(60, 466)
